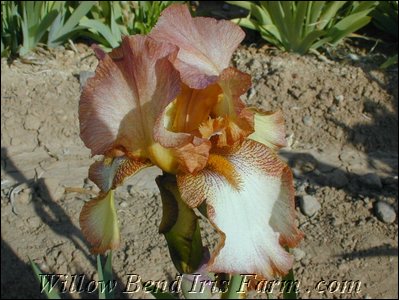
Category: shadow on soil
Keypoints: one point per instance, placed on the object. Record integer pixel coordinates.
(384, 250)
(17, 277)
(378, 140)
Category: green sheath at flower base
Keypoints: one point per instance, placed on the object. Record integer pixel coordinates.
(180, 226)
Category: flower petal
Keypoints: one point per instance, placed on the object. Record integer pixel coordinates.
(250, 199)
(120, 104)
(234, 83)
(99, 223)
(269, 129)
(110, 172)
(205, 44)
(190, 152)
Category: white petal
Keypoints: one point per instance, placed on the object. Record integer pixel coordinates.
(245, 190)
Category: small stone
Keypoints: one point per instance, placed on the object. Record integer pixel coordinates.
(69, 53)
(25, 196)
(372, 180)
(34, 222)
(84, 76)
(339, 98)
(297, 173)
(124, 204)
(385, 212)
(307, 120)
(44, 267)
(298, 254)
(309, 205)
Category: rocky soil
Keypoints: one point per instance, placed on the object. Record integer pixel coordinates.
(342, 126)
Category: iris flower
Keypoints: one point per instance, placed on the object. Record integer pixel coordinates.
(170, 99)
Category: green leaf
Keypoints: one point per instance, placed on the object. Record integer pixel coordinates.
(291, 293)
(299, 18)
(43, 281)
(346, 26)
(315, 8)
(247, 23)
(180, 227)
(364, 6)
(260, 14)
(330, 11)
(114, 27)
(277, 14)
(83, 8)
(308, 41)
(44, 25)
(105, 277)
(233, 288)
(102, 29)
(389, 62)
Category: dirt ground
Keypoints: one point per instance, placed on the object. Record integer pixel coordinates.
(342, 124)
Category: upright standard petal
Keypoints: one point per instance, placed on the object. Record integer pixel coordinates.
(205, 44)
(250, 200)
(120, 104)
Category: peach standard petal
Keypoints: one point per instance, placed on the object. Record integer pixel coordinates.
(120, 104)
(205, 44)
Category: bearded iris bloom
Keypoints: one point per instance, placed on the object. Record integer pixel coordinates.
(171, 99)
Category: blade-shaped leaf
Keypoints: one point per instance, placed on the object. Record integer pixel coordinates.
(180, 227)
(346, 26)
(314, 14)
(43, 281)
(390, 61)
(105, 277)
(44, 25)
(83, 8)
(234, 288)
(309, 40)
(101, 29)
(329, 12)
(291, 293)
(300, 18)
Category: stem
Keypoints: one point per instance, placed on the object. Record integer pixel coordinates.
(234, 287)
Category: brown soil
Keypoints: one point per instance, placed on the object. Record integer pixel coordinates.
(342, 124)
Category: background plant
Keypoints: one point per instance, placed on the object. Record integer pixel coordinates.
(25, 24)
(108, 21)
(298, 26)
(385, 17)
